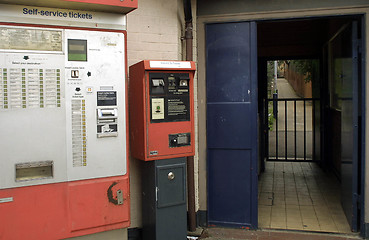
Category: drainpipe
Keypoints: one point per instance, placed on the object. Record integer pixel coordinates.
(190, 160)
(188, 29)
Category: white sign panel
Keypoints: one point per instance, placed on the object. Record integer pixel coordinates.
(61, 17)
(170, 64)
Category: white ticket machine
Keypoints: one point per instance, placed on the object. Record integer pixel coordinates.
(63, 145)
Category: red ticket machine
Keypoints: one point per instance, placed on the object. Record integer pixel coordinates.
(162, 109)
(162, 129)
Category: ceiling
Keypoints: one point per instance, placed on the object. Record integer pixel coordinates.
(297, 38)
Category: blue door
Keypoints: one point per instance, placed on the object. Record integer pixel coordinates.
(346, 64)
(231, 81)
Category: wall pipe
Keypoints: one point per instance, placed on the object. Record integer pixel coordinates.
(190, 160)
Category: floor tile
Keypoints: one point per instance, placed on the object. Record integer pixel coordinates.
(299, 196)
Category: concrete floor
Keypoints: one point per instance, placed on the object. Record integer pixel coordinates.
(300, 196)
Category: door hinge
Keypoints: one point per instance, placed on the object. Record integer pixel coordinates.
(357, 199)
(120, 197)
(156, 193)
(359, 45)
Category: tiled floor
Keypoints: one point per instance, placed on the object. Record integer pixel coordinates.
(300, 196)
(267, 234)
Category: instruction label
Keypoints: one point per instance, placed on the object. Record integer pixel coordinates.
(106, 98)
(157, 108)
(30, 39)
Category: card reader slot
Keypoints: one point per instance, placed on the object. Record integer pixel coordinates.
(107, 121)
(107, 113)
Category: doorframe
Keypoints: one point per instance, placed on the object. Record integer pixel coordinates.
(273, 16)
(364, 227)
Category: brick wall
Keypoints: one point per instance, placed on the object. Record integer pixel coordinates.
(297, 81)
(155, 30)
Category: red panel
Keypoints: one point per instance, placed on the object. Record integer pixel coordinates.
(38, 212)
(94, 203)
(136, 111)
(54, 211)
(125, 4)
(158, 134)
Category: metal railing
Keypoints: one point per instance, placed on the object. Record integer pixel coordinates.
(290, 132)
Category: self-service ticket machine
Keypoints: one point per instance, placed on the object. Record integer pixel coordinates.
(63, 145)
(162, 135)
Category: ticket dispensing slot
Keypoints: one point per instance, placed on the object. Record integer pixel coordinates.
(107, 122)
(158, 86)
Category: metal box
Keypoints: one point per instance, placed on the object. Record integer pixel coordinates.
(164, 199)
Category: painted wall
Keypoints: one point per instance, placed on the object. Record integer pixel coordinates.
(211, 7)
(154, 31)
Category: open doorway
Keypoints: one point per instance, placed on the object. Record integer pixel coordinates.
(295, 192)
(303, 182)
(237, 54)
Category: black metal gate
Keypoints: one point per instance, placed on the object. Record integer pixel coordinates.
(290, 132)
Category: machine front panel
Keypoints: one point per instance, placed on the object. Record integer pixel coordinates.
(62, 105)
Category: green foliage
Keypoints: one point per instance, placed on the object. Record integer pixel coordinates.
(271, 118)
(304, 67)
(270, 70)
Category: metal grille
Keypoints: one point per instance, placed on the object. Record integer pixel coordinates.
(291, 135)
